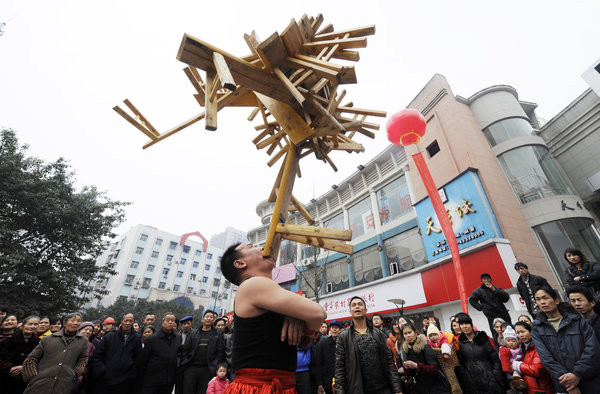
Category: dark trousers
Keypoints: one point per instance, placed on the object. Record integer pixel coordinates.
(195, 379)
(158, 389)
(303, 385)
(122, 388)
(504, 316)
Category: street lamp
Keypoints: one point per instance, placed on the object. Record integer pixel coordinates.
(397, 301)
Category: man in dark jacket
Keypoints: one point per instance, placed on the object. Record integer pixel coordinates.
(527, 285)
(114, 359)
(363, 361)
(490, 300)
(566, 345)
(204, 349)
(582, 300)
(325, 367)
(158, 361)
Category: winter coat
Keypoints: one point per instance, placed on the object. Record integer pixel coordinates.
(391, 342)
(507, 356)
(490, 302)
(348, 377)
(303, 359)
(430, 379)
(217, 386)
(215, 352)
(536, 376)
(55, 363)
(589, 273)
(325, 357)
(158, 360)
(574, 348)
(479, 370)
(115, 359)
(13, 352)
(595, 323)
(535, 282)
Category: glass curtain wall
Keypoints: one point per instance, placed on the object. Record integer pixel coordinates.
(406, 250)
(394, 200)
(367, 266)
(336, 273)
(361, 219)
(507, 129)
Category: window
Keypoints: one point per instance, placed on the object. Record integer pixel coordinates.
(182, 261)
(405, 250)
(146, 283)
(219, 258)
(205, 279)
(129, 279)
(134, 264)
(202, 291)
(195, 264)
(198, 252)
(150, 268)
(216, 282)
(507, 129)
(172, 245)
(116, 256)
(367, 266)
(207, 267)
(154, 254)
(169, 257)
(165, 271)
(288, 252)
(394, 200)
(176, 288)
(144, 237)
(162, 285)
(361, 218)
(158, 242)
(186, 249)
(139, 250)
(209, 256)
(189, 290)
(217, 270)
(335, 222)
(179, 274)
(433, 148)
(225, 296)
(214, 294)
(226, 285)
(193, 277)
(336, 274)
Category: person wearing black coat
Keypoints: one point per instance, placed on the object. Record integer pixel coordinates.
(114, 359)
(480, 370)
(582, 271)
(567, 346)
(158, 362)
(325, 357)
(527, 285)
(13, 351)
(490, 300)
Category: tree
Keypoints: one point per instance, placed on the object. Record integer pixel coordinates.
(50, 233)
(141, 308)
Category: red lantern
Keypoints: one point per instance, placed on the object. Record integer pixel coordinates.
(406, 127)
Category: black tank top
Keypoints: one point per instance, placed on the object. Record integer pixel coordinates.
(257, 343)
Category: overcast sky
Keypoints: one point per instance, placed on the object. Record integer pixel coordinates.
(65, 64)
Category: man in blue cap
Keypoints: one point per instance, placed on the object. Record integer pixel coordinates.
(186, 326)
(326, 357)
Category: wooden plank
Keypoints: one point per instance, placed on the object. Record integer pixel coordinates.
(277, 156)
(314, 231)
(320, 71)
(347, 55)
(335, 246)
(289, 85)
(270, 140)
(295, 127)
(197, 83)
(362, 111)
(327, 29)
(275, 188)
(347, 146)
(368, 125)
(347, 74)
(331, 120)
(134, 122)
(292, 38)
(356, 32)
(318, 86)
(302, 209)
(211, 102)
(223, 72)
(274, 50)
(328, 160)
(316, 23)
(260, 136)
(141, 117)
(347, 43)
(306, 31)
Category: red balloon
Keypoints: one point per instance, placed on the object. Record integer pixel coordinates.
(406, 127)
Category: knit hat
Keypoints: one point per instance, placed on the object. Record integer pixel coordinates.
(509, 333)
(86, 324)
(432, 329)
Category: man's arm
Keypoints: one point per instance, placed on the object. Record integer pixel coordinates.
(474, 300)
(501, 295)
(587, 365)
(555, 368)
(340, 365)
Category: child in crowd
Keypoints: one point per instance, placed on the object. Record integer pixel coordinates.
(219, 383)
(437, 340)
(509, 353)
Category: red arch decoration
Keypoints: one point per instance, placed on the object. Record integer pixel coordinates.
(197, 233)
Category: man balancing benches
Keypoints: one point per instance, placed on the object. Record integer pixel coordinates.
(269, 323)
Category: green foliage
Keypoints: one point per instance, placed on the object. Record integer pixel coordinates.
(141, 308)
(50, 233)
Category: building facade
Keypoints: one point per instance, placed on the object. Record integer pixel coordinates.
(156, 265)
(228, 237)
(505, 195)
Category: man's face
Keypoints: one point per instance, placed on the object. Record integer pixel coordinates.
(334, 331)
(486, 280)
(545, 302)
(44, 325)
(522, 271)
(358, 308)
(108, 327)
(186, 326)
(168, 323)
(220, 325)
(208, 319)
(127, 322)
(581, 303)
(72, 325)
(253, 257)
(323, 329)
(377, 321)
(149, 320)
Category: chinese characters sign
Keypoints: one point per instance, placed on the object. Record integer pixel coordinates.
(469, 212)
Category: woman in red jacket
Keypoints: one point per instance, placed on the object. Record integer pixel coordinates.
(536, 376)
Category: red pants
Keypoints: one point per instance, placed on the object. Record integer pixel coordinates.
(262, 381)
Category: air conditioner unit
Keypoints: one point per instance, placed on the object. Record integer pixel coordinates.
(168, 288)
(137, 282)
(407, 264)
(136, 286)
(329, 287)
(169, 262)
(165, 276)
(394, 268)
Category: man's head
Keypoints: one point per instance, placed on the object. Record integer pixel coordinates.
(109, 322)
(582, 300)
(3, 311)
(127, 322)
(486, 278)
(208, 319)
(334, 328)
(522, 269)
(169, 323)
(220, 324)
(358, 308)
(547, 299)
(243, 261)
(323, 329)
(149, 320)
(377, 320)
(186, 324)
